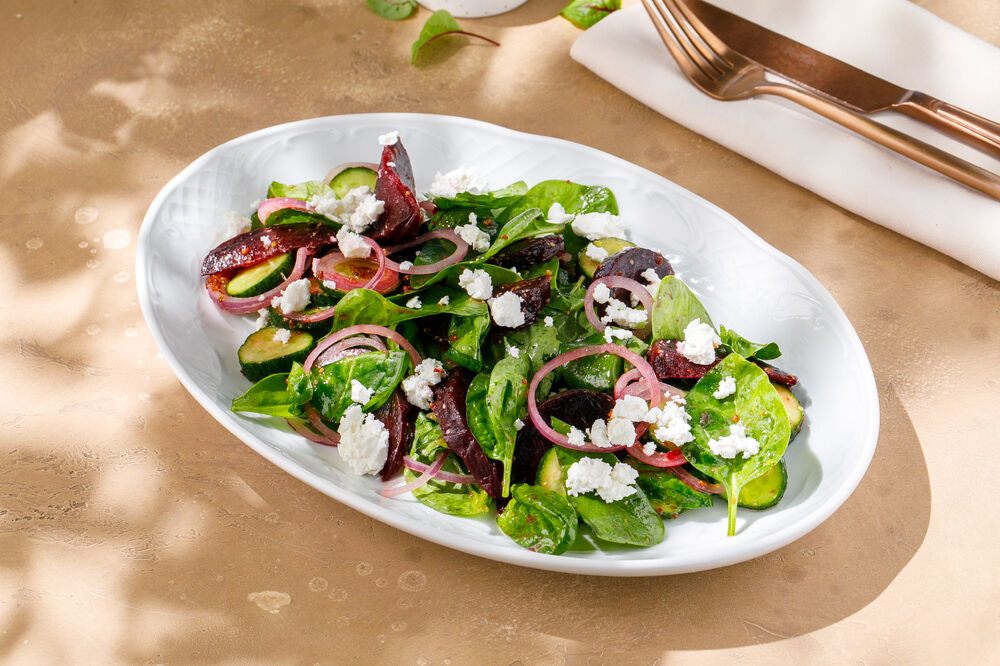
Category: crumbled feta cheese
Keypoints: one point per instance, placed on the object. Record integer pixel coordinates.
(610, 483)
(549, 322)
(557, 214)
(352, 245)
(357, 210)
(506, 310)
(417, 386)
(653, 281)
(265, 240)
(670, 422)
(364, 441)
(294, 298)
(477, 283)
(414, 303)
(388, 139)
(518, 424)
(405, 265)
(462, 179)
(699, 343)
(734, 443)
(727, 387)
(263, 318)
(360, 393)
(391, 164)
(575, 436)
(621, 314)
(601, 293)
(236, 224)
(445, 300)
(598, 225)
(611, 333)
(282, 335)
(474, 236)
(621, 432)
(599, 433)
(596, 252)
(649, 448)
(630, 407)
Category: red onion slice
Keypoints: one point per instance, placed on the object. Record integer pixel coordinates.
(248, 304)
(332, 353)
(628, 384)
(694, 482)
(422, 480)
(461, 249)
(312, 317)
(383, 280)
(309, 434)
(418, 466)
(645, 370)
(317, 422)
(619, 282)
(340, 168)
(670, 458)
(268, 206)
(369, 329)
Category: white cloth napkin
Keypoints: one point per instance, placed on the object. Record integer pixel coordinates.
(893, 39)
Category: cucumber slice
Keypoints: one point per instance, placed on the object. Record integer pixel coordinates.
(275, 318)
(550, 473)
(261, 277)
(765, 491)
(262, 355)
(348, 179)
(792, 406)
(609, 245)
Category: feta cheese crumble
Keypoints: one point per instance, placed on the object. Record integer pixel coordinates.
(611, 334)
(597, 253)
(364, 441)
(414, 303)
(388, 139)
(445, 300)
(294, 298)
(593, 226)
(599, 433)
(727, 387)
(670, 422)
(405, 265)
(360, 393)
(417, 387)
(621, 432)
(514, 352)
(601, 293)
(549, 322)
(699, 343)
(621, 314)
(462, 179)
(518, 424)
(557, 214)
(630, 407)
(357, 210)
(282, 335)
(473, 235)
(652, 280)
(610, 483)
(575, 436)
(263, 319)
(734, 443)
(477, 283)
(352, 245)
(506, 310)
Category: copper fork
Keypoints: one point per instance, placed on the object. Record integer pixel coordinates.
(722, 73)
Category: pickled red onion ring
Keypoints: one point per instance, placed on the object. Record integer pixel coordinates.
(248, 304)
(619, 282)
(418, 466)
(383, 281)
(461, 249)
(268, 206)
(309, 434)
(694, 482)
(423, 479)
(369, 329)
(317, 422)
(328, 356)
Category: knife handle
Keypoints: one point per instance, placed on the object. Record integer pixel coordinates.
(967, 127)
(930, 156)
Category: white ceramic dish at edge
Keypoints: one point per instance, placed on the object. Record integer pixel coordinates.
(744, 282)
(473, 8)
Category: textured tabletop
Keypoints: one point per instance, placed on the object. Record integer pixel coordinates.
(135, 529)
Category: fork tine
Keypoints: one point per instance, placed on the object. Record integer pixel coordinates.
(695, 33)
(691, 63)
(703, 31)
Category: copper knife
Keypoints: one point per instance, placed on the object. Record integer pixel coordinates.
(844, 84)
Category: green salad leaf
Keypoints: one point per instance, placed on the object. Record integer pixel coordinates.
(573, 197)
(394, 10)
(466, 335)
(304, 191)
(747, 349)
(494, 401)
(666, 493)
(585, 13)
(268, 396)
(675, 307)
(598, 372)
(380, 372)
(440, 24)
(498, 275)
(528, 224)
(365, 306)
(292, 216)
(457, 499)
(755, 406)
(538, 519)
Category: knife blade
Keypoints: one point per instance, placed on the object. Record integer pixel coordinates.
(842, 83)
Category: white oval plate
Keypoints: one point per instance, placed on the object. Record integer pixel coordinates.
(745, 284)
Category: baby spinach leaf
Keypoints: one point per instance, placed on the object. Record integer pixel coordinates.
(457, 499)
(747, 349)
(573, 197)
(428, 440)
(364, 306)
(477, 414)
(304, 191)
(585, 13)
(293, 216)
(668, 494)
(600, 371)
(538, 342)
(466, 335)
(394, 10)
(300, 385)
(380, 372)
(538, 519)
(440, 23)
(450, 275)
(268, 396)
(675, 307)
(756, 406)
(528, 224)
(506, 399)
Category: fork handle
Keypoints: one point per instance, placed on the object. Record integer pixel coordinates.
(965, 126)
(930, 156)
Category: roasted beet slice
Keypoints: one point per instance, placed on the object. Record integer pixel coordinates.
(530, 252)
(535, 294)
(255, 246)
(668, 363)
(632, 263)
(449, 408)
(401, 217)
(396, 415)
(577, 407)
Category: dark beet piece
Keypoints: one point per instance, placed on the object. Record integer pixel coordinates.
(449, 408)
(632, 263)
(577, 407)
(668, 363)
(401, 218)
(255, 246)
(530, 252)
(534, 293)
(396, 415)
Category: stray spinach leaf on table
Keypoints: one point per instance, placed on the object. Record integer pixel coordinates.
(440, 23)
(394, 10)
(585, 13)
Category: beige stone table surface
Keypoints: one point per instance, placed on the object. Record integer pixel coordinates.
(134, 528)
